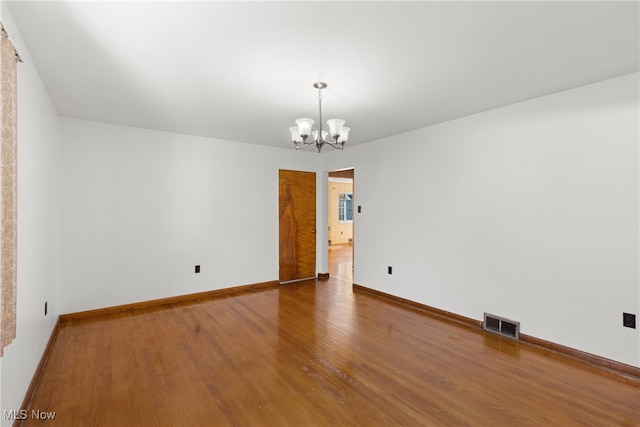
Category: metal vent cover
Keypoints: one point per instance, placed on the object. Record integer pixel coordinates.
(502, 326)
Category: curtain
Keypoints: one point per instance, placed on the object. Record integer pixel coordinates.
(8, 189)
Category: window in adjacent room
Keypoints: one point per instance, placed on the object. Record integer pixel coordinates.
(345, 207)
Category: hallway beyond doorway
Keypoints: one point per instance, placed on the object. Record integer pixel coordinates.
(341, 262)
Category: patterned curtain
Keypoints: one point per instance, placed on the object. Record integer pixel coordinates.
(8, 189)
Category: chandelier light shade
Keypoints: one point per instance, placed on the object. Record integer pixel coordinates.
(302, 134)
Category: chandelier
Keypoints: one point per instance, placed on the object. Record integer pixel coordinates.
(336, 137)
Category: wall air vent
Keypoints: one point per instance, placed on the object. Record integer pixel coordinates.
(502, 326)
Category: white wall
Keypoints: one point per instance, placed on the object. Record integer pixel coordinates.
(529, 212)
(141, 208)
(38, 217)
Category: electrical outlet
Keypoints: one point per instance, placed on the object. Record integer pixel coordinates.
(390, 270)
(197, 269)
(629, 320)
(45, 308)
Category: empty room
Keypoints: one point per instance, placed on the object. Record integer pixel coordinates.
(303, 213)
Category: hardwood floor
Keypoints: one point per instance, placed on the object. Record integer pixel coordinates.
(341, 263)
(314, 353)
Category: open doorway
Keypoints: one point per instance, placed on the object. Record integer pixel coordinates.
(340, 223)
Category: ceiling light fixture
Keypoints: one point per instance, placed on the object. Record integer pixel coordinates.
(338, 132)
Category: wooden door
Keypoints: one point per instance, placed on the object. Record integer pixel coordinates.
(297, 225)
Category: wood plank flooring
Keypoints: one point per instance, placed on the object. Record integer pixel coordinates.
(341, 263)
(314, 353)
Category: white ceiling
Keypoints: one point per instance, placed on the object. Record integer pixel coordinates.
(243, 71)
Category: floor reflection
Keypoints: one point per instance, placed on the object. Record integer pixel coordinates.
(320, 337)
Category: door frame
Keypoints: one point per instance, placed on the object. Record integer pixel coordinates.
(348, 172)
